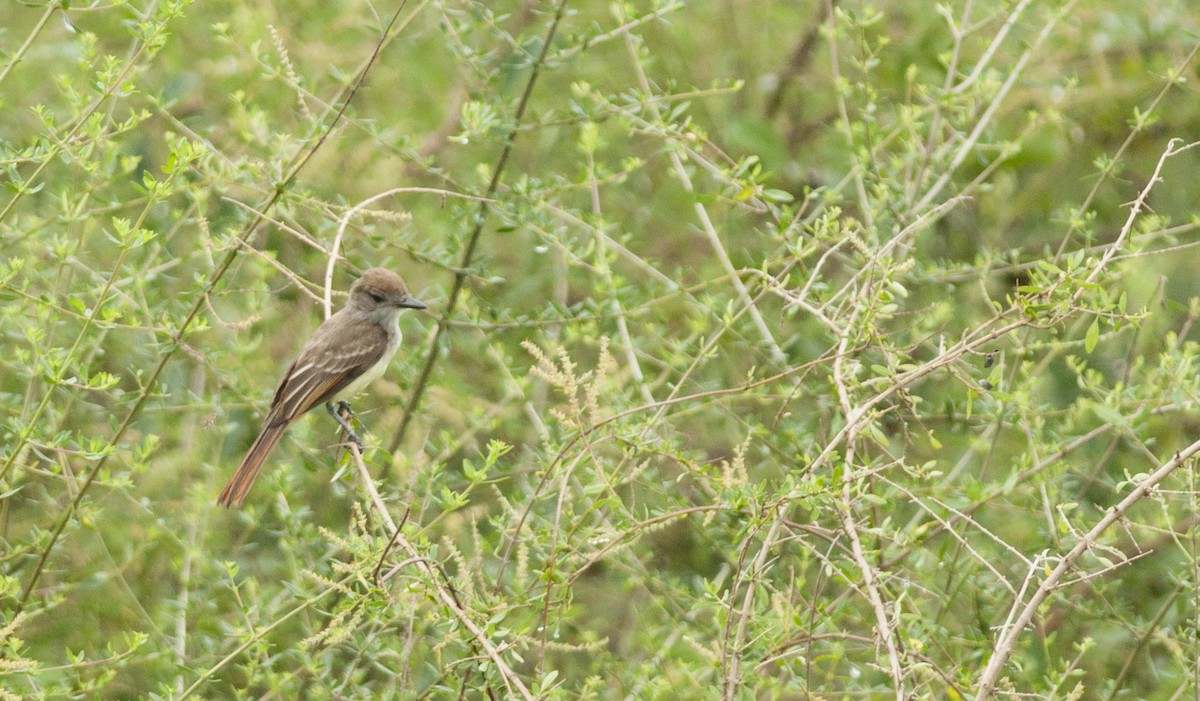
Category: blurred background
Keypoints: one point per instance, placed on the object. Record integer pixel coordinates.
(776, 350)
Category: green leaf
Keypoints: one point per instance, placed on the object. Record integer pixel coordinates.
(1093, 336)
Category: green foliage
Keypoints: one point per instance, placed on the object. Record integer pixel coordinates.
(776, 350)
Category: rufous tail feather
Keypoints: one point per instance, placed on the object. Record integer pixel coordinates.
(239, 485)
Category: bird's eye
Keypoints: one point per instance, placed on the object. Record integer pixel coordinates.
(375, 297)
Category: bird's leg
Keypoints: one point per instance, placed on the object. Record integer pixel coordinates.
(337, 414)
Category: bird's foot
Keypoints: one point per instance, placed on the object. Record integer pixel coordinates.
(342, 413)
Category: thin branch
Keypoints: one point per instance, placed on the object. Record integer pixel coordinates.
(481, 216)
(434, 573)
(799, 59)
(214, 278)
(1021, 616)
(706, 224)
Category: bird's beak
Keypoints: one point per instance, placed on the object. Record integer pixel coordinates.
(412, 303)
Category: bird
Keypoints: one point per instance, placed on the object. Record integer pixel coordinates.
(347, 352)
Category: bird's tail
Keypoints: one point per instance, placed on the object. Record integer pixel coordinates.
(239, 485)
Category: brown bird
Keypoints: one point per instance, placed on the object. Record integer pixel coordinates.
(344, 355)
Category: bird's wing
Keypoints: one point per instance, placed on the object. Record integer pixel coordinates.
(323, 369)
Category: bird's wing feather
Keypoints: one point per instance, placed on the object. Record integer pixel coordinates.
(322, 370)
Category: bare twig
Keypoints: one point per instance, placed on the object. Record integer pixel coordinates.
(151, 380)
(481, 216)
(799, 58)
(333, 253)
(706, 224)
(1022, 614)
(443, 593)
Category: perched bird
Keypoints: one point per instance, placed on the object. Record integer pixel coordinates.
(344, 355)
